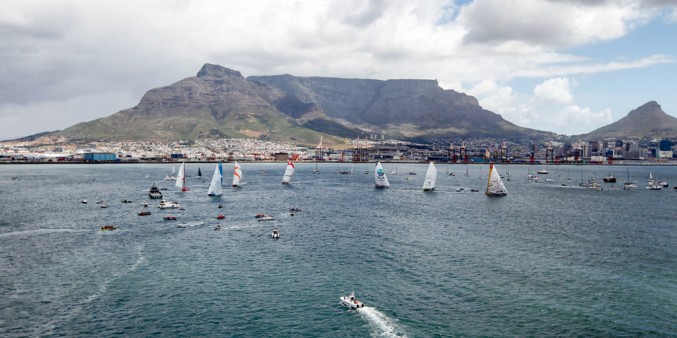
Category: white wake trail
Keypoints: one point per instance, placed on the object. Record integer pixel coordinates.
(381, 325)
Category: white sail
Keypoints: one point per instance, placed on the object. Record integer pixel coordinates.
(495, 186)
(380, 179)
(430, 178)
(288, 173)
(237, 175)
(215, 188)
(181, 178)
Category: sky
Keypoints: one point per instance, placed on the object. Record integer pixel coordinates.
(566, 66)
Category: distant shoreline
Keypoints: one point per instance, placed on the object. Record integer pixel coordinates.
(619, 163)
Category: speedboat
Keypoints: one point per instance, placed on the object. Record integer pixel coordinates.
(275, 234)
(351, 302)
(263, 217)
(168, 205)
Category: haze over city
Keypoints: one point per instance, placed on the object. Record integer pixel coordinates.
(562, 66)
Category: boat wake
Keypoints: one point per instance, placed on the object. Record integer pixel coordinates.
(39, 232)
(381, 325)
(75, 309)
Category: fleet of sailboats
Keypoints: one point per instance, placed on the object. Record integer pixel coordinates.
(288, 172)
(237, 175)
(430, 178)
(215, 186)
(380, 179)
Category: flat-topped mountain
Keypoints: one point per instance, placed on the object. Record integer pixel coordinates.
(220, 102)
(647, 121)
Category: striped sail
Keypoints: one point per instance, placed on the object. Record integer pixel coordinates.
(237, 175)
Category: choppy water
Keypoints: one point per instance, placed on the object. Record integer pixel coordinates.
(545, 260)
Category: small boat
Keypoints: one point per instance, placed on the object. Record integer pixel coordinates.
(99, 202)
(263, 217)
(411, 173)
(144, 204)
(474, 190)
(83, 201)
(351, 302)
(220, 216)
(542, 172)
(127, 201)
(294, 209)
(609, 179)
(154, 192)
(168, 205)
(218, 227)
(275, 234)
(144, 213)
(108, 227)
(170, 218)
(104, 206)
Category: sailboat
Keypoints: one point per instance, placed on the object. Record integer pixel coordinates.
(628, 185)
(381, 181)
(199, 173)
(430, 178)
(171, 177)
(318, 149)
(495, 186)
(237, 175)
(652, 184)
(394, 171)
(215, 187)
(288, 172)
(181, 178)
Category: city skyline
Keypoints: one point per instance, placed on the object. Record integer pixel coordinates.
(563, 66)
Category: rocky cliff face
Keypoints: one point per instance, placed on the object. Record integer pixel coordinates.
(220, 102)
(398, 107)
(646, 121)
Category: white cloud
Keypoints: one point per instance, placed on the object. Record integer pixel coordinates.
(555, 91)
(52, 54)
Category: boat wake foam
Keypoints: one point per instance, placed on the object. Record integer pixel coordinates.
(75, 309)
(381, 325)
(39, 232)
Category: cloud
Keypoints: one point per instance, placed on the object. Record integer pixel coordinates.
(550, 107)
(554, 91)
(55, 54)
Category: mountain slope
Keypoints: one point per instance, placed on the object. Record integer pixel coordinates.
(219, 102)
(647, 121)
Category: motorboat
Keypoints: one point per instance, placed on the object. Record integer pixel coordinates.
(275, 234)
(542, 172)
(154, 192)
(144, 213)
(144, 204)
(83, 201)
(168, 205)
(126, 201)
(104, 206)
(220, 216)
(609, 179)
(108, 227)
(170, 218)
(263, 217)
(351, 302)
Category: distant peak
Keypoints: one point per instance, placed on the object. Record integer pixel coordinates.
(210, 70)
(651, 107)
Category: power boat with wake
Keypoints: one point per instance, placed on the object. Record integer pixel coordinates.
(351, 302)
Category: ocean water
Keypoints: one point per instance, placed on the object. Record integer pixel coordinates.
(544, 260)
